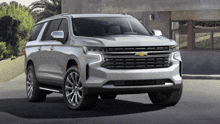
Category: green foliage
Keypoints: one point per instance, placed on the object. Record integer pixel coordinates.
(207, 23)
(10, 51)
(9, 30)
(50, 8)
(204, 44)
(203, 23)
(21, 44)
(20, 13)
(18, 22)
(3, 50)
(13, 57)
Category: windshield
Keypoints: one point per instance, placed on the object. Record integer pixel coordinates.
(101, 26)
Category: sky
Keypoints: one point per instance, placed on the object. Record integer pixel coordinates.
(22, 2)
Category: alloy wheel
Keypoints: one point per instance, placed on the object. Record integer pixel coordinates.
(29, 84)
(73, 89)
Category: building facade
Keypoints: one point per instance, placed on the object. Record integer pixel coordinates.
(194, 24)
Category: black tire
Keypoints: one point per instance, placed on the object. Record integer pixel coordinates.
(108, 96)
(73, 92)
(166, 98)
(34, 94)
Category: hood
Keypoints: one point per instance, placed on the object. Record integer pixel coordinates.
(127, 40)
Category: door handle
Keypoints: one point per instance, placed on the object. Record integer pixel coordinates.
(39, 48)
(51, 47)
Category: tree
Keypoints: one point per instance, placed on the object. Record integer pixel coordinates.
(20, 13)
(9, 30)
(19, 17)
(50, 8)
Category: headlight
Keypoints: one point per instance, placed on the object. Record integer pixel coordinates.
(177, 56)
(174, 47)
(95, 49)
(94, 58)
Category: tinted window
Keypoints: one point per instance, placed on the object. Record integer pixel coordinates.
(35, 32)
(64, 28)
(51, 26)
(101, 26)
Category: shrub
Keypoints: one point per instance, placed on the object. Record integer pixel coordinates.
(16, 24)
(21, 46)
(13, 57)
(3, 50)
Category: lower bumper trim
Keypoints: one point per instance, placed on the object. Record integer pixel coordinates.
(132, 89)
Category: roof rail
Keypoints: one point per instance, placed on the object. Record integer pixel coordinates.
(57, 15)
(124, 13)
(62, 14)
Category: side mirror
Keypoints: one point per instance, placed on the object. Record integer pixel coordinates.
(157, 32)
(58, 35)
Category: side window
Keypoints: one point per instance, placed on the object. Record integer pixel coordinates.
(64, 28)
(35, 32)
(51, 26)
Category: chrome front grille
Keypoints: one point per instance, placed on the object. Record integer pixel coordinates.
(136, 63)
(128, 57)
(137, 49)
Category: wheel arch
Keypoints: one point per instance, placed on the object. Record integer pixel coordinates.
(72, 61)
(29, 62)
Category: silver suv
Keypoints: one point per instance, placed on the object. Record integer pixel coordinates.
(85, 56)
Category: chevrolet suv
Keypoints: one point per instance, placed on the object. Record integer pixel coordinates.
(86, 56)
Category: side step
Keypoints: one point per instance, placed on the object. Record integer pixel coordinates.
(52, 90)
(56, 89)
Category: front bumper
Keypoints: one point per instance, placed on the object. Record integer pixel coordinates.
(99, 78)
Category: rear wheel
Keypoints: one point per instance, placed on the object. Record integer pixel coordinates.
(73, 93)
(108, 96)
(166, 98)
(34, 94)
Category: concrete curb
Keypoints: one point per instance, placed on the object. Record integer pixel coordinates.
(190, 76)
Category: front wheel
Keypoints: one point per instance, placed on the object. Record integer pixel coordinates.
(166, 98)
(73, 92)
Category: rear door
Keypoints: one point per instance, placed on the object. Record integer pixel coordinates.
(32, 47)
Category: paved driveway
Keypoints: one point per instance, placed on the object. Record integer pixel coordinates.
(200, 104)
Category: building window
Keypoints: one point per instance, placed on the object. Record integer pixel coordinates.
(179, 33)
(196, 35)
(202, 40)
(216, 38)
(207, 34)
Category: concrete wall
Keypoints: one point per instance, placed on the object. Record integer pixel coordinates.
(162, 21)
(204, 15)
(163, 10)
(72, 6)
(201, 62)
(118, 6)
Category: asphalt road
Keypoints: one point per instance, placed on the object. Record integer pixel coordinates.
(200, 104)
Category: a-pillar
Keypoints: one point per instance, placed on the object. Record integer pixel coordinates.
(190, 35)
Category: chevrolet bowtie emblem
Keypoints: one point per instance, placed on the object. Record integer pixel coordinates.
(141, 54)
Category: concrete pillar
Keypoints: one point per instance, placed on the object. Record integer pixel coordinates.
(190, 35)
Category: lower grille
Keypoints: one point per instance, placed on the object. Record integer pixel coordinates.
(139, 82)
(136, 63)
